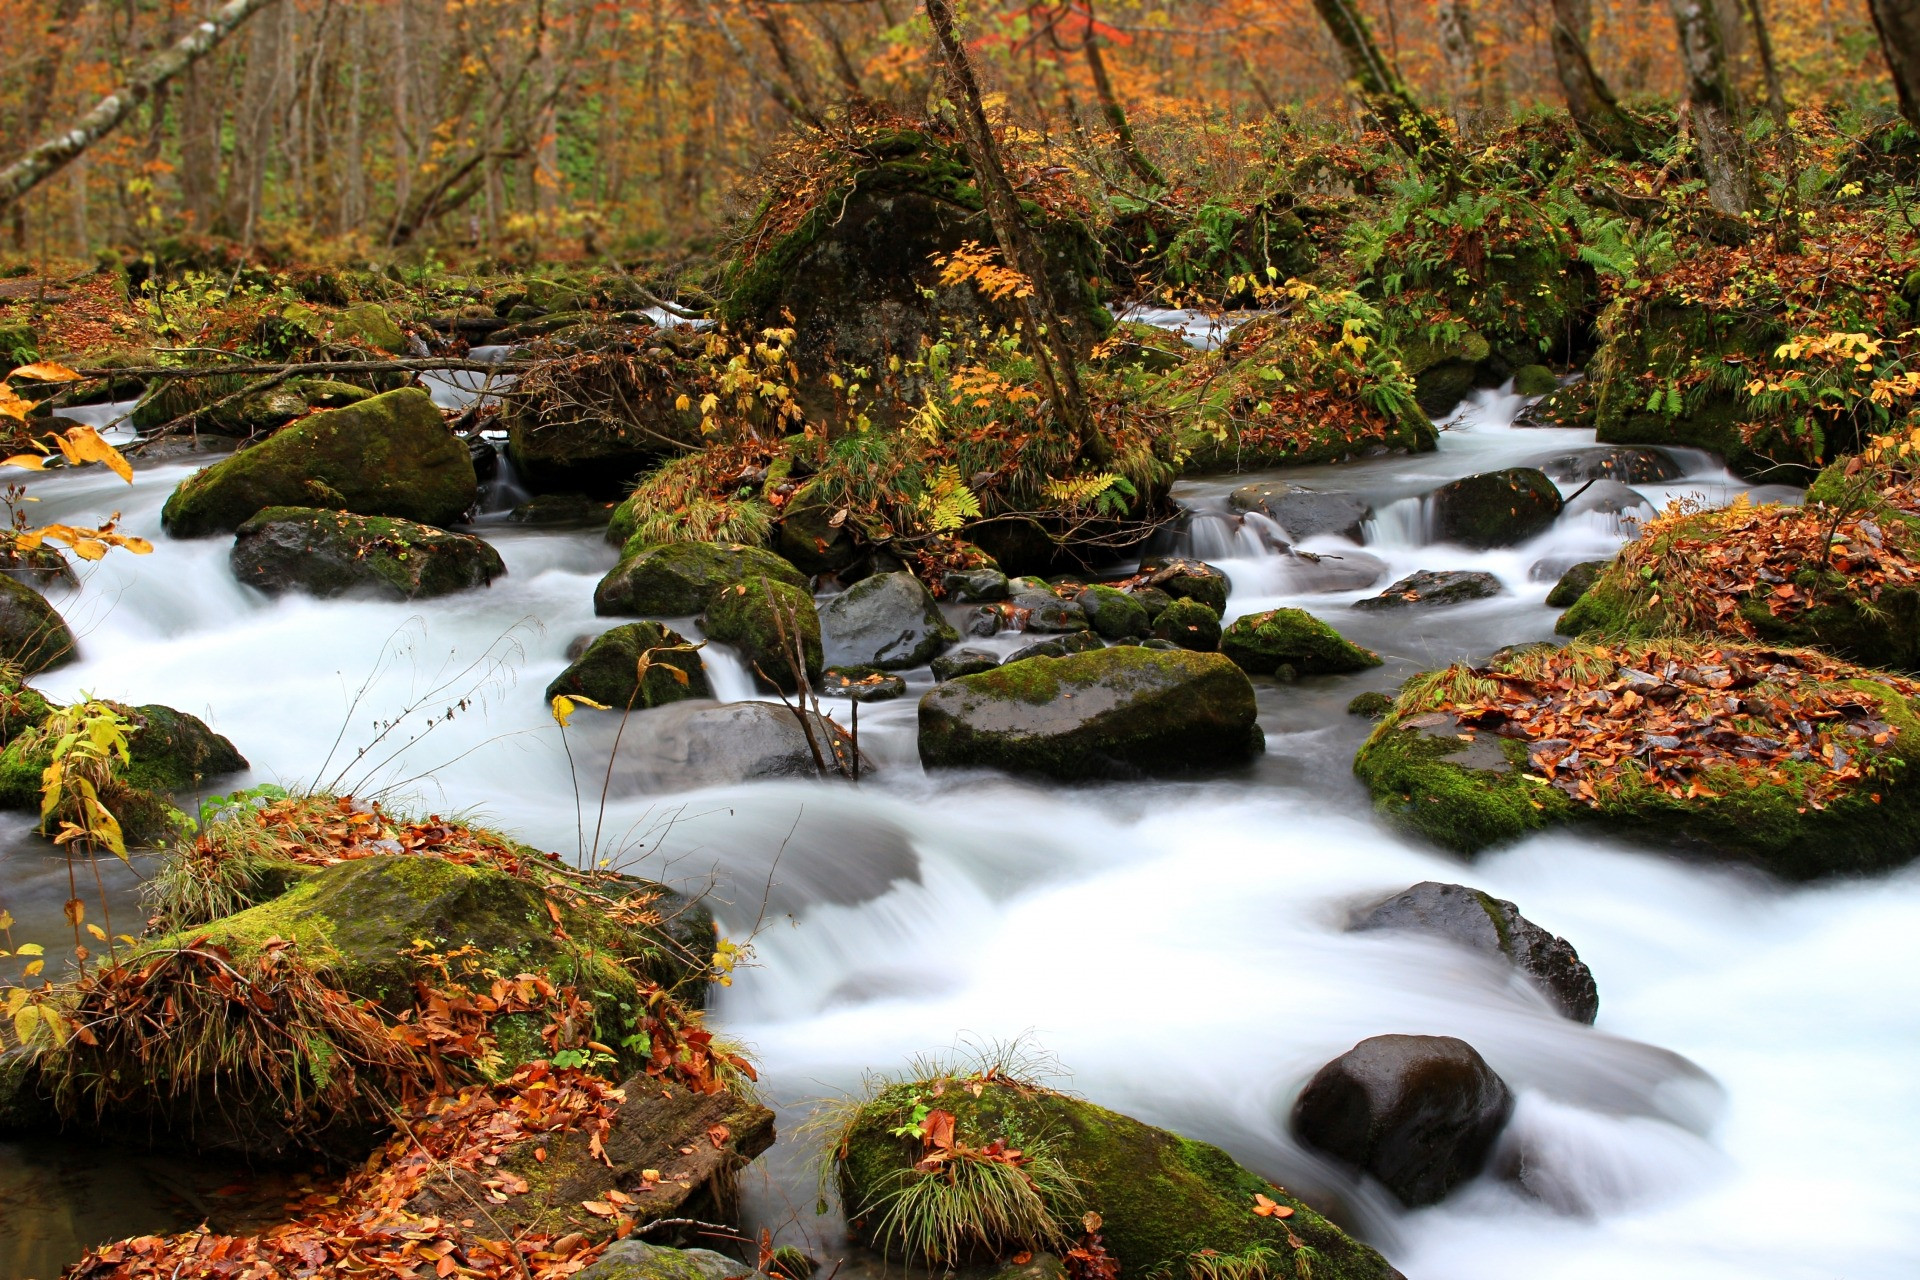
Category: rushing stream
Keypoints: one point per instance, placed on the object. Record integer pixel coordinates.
(1742, 1107)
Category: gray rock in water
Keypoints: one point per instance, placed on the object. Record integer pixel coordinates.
(1041, 610)
(963, 662)
(1419, 1113)
(888, 621)
(862, 684)
(1495, 508)
(703, 744)
(1060, 647)
(1333, 571)
(1430, 588)
(607, 669)
(1494, 927)
(1303, 513)
(973, 586)
(32, 632)
(1618, 462)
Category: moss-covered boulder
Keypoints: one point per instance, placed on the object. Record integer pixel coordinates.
(1168, 1205)
(1535, 380)
(1262, 643)
(679, 579)
(390, 455)
(33, 635)
(329, 553)
(1574, 583)
(1189, 624)
(635, 1259)
(1125, 711)
(1184, 579)
(1495, 508)
(842, 248)
(765, 619)
(886, 620)
(1788, 759)
(1444, 370)
(1112, 613)
(609, 671)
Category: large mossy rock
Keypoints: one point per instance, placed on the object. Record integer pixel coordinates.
(765, 619)
(33, 635)
(591, 423)
(1262, 643)
(1113, 614)
(1419, 1113)
(609, 671)
(1495, 508)
(1725, 779)
(848, 262)
(390, 455)
(887, 620)
(1119, 712)
(363, 921)
(1168, 1204)
(679, 579)
(329, 553)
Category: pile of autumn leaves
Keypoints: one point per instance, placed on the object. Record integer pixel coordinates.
(451, 1120)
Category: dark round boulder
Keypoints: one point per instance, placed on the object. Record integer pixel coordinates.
(1495, 508)
(1037, 608)
(1189, 624)
(974, 586)
(329, 553)
(1112, 612)
(963, 662)
(765, 620)
(1058, 647)
(608, 671)
(1427, 587)
(887, 621)
(1494, 927)
(862, 684)
(1419, 1113)
(33, 635)
(1613, 462)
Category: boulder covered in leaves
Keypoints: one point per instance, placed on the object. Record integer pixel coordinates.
(1121, 712)
(842, 247)
(331, 553)
(678, 579)
(1786, 758)
(638, 665)
(1435, 587)
(1166, 1204)
(391, 455)
(33, 635)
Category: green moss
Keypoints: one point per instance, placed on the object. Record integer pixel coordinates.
(1113, 614)
(754, 614)
(681, 578)
(1415, 782)
(328, 553)
(1162, 1197)
(1189, 624)
(1263, 642)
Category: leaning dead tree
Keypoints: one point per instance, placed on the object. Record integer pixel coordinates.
(1040, 315)
(56, 153)
(1381, 90)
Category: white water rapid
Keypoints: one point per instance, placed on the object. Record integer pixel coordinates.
(1743, 1107)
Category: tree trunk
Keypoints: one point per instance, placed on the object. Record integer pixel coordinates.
(1045, 332)
(1713, 107)
(1596, 114)
(1763, 45)
(53, 155)
(1898, 22)
(1143, 168)
(253, 122)
(1380, 89)
(1466, 88)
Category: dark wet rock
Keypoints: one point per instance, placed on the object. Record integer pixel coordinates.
(1304, 513)
(985, 622)
(1495, 508)
(862, 684)
(1059, 647)
(973, 586)
(390, 455)
(1113, 613)
(764, 620)
(888, 620)
(1189, 624)
(1189, 580)
(1494, 927)
(1419, 1113)
(1152, 599)
(33, 635)
(678, 579)
(1535, 380)
(1372, 704)
(703, 744)
(1428, 587)
(1569, 406)
(1124, 711)
(1574, 583)
(329, 553)
(607, 670)
(1443, 372)
(562, 511)
(963, 662)
(1626, 465)
(1162, 1198)
(1041, 610)
(1262, 643)
(1609, 497)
